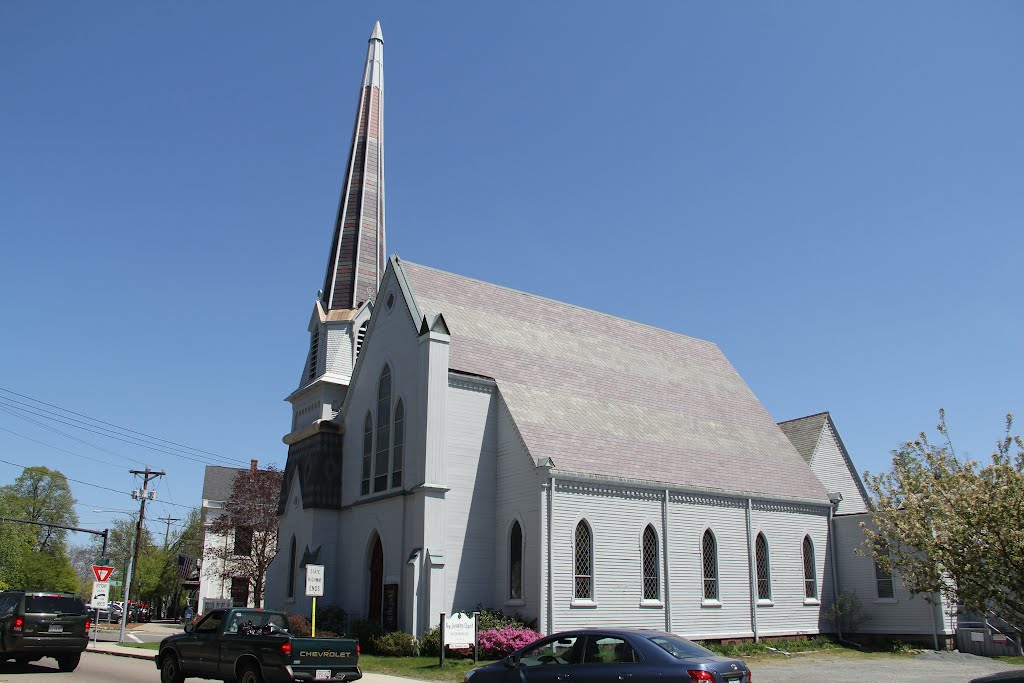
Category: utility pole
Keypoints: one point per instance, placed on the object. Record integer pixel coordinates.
(141, 495)
(167, 533)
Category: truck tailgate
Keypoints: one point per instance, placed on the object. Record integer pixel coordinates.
(325, 659)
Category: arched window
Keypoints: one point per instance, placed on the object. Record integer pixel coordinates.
(709, 561)
(291, 570)
(380, 469)
(764, 572)
(652, 587)
(584, 556)
(810, 577)
(399, 447)
(515, 562)
(364, 486)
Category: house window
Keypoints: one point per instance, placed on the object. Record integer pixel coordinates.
(515, 562)
(364, 486)
(709, 560)
(584, 556)
(764, 572)
(291, 570)
(314, 344)
(399, 447)
(380, 470)
(650, 564)
(239, 592)
(883, 582)
(243, 541)
(810, 577)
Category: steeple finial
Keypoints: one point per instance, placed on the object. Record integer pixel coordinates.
(358, 255)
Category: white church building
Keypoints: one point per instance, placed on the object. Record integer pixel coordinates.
(456, 443)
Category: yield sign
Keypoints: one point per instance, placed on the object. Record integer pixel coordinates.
(102, 573)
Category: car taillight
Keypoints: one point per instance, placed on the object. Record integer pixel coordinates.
(19, 623)
(357, 649)
(700, 675)
(88, 624)
(286, 648)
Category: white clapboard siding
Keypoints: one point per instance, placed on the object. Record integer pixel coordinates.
(784, 527)
(518, 497)
(901, 614)
(832, 467)
(692, 616)
(469, 502)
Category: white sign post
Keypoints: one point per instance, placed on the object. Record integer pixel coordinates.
(314, 588)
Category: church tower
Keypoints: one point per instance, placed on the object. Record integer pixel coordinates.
(355, 265)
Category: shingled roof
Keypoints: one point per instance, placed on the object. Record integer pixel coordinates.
(217, 482)
(804, 433)
(605, 396)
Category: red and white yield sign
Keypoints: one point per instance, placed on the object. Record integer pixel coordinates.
(102, 573)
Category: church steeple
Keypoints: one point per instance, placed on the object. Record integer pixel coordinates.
(358, 256)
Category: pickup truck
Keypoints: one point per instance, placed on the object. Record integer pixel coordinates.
(254, 646)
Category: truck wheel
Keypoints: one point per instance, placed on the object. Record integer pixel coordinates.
(251, 674)
(170, 670)
(68, 662)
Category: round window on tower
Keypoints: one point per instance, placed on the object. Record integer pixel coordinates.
(391, 300)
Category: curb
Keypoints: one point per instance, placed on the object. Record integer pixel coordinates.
(130, 655)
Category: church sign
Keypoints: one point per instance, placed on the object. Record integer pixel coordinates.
(460, 630)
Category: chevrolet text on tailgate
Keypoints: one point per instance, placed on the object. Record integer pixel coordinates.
(253, 646)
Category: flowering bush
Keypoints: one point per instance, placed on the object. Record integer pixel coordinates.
(496, 643)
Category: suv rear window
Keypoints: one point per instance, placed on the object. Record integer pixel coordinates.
(50, 604)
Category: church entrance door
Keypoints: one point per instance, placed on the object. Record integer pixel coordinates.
(376, 582)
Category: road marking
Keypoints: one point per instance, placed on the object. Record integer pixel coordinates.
(133, 637)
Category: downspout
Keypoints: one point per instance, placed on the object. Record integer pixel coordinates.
(551, 581)
(935, 627)
(668, 583)
(835, 569)
(753, 575)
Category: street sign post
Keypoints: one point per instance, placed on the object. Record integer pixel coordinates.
(101, 572)
(314, 588)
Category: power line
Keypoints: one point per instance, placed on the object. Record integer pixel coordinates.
(5, 407)
(62, 450)
(123, 429)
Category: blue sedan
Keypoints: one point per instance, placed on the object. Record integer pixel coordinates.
(612, 656)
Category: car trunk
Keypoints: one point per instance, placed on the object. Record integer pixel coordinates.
(54, 616)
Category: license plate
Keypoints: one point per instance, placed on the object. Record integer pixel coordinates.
(56, 628)
(323, 674)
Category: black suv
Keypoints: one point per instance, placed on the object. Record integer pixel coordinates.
(34, 625)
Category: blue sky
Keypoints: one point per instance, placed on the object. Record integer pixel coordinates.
(832, 192)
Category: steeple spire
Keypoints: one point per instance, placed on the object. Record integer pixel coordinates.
(358, 255)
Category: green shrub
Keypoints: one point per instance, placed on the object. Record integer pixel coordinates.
(366, 631)
(494, 620)
(395, 644)
(430, 644)
(332, 618)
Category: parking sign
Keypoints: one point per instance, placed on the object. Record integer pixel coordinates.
(100, 591)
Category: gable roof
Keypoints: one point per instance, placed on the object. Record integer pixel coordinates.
(217, 482)
(604, 396)
(804, 433)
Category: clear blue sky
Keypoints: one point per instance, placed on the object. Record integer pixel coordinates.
(832, 192)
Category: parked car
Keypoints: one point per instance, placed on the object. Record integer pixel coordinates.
(603, 655)
(1014, 676)
(34, 625)
(253, 646)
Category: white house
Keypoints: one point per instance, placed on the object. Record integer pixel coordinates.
(214, 589)
(456, 443)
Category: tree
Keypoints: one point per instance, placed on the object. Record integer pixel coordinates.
(249, 521)
(40, 494)
(16, 541)
(952, 526)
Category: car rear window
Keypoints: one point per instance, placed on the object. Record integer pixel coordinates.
(51, 604)
(680, 648)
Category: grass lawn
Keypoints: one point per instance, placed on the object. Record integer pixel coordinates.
(422, 668)
(143, 646)
(1017, 661)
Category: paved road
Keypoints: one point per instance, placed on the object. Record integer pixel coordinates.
(94, 668)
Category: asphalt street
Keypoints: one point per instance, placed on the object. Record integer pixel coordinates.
(94, 668)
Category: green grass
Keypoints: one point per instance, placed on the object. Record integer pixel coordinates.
(791, 645)
(422, 668)
(1018, 661)
(143, 646)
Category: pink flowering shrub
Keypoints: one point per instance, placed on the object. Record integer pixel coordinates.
(495, 643)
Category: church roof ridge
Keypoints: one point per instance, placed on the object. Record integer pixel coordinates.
(805, 417)
(559, 302)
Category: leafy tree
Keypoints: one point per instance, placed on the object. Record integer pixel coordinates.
(954, 526)
(249, 521)
(49, 571)
(40, 494)
(16, 541)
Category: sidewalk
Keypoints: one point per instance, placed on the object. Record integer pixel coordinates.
(120, 650)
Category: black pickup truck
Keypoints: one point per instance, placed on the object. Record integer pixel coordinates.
(253, 646)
